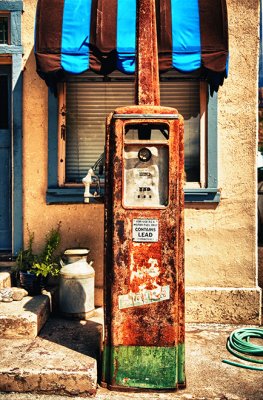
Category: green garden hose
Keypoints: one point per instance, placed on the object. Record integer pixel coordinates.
(238, 343)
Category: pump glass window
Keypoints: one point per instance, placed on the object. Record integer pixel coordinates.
(146, 132)
(86, 100)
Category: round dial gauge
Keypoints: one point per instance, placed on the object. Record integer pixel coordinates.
(144, 154)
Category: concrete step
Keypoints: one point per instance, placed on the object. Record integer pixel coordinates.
(5, 279)
(7, 263)
(7, 274)
(25, 318)
(61, 360)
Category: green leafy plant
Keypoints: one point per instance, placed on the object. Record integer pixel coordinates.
(43, 264)
(25, 258)
(46, 263)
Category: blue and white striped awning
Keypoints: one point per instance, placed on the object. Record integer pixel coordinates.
(74, 36)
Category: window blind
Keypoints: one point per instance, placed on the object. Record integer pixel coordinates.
(89, 101)
(185, 97)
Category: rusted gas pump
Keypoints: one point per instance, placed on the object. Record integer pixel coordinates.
(144, 242)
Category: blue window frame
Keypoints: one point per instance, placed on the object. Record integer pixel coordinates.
(57, 194)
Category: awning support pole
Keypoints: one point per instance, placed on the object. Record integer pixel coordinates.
(147, 84)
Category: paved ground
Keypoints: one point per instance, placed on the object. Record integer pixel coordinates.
(207, 376)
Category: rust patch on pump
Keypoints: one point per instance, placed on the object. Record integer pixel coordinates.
(148, 91)
(120, 228)
(145, 265)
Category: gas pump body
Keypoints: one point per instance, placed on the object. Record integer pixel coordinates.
(144, 242)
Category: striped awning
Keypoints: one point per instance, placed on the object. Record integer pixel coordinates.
(76, 35)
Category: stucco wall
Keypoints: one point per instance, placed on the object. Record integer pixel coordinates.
(220, 244)
(81, 225)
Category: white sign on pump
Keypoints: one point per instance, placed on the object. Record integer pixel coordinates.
(145, 230)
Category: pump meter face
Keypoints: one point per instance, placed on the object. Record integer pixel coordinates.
(145, 176)
(144, 154)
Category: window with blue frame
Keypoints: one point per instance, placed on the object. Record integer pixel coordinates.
(86, 101)
(83, 103)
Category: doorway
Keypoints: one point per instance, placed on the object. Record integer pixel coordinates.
(5, 161)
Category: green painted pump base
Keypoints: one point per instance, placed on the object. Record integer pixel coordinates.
(143, 368)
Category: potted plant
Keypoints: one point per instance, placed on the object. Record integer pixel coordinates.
(34, 269)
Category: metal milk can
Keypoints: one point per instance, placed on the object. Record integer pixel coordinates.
(76, 288)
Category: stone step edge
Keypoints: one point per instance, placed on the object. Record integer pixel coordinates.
(22, 323)
(7, 264)
(50, 381)
(5, 279)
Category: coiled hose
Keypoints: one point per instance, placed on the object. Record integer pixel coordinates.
(238, 343)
